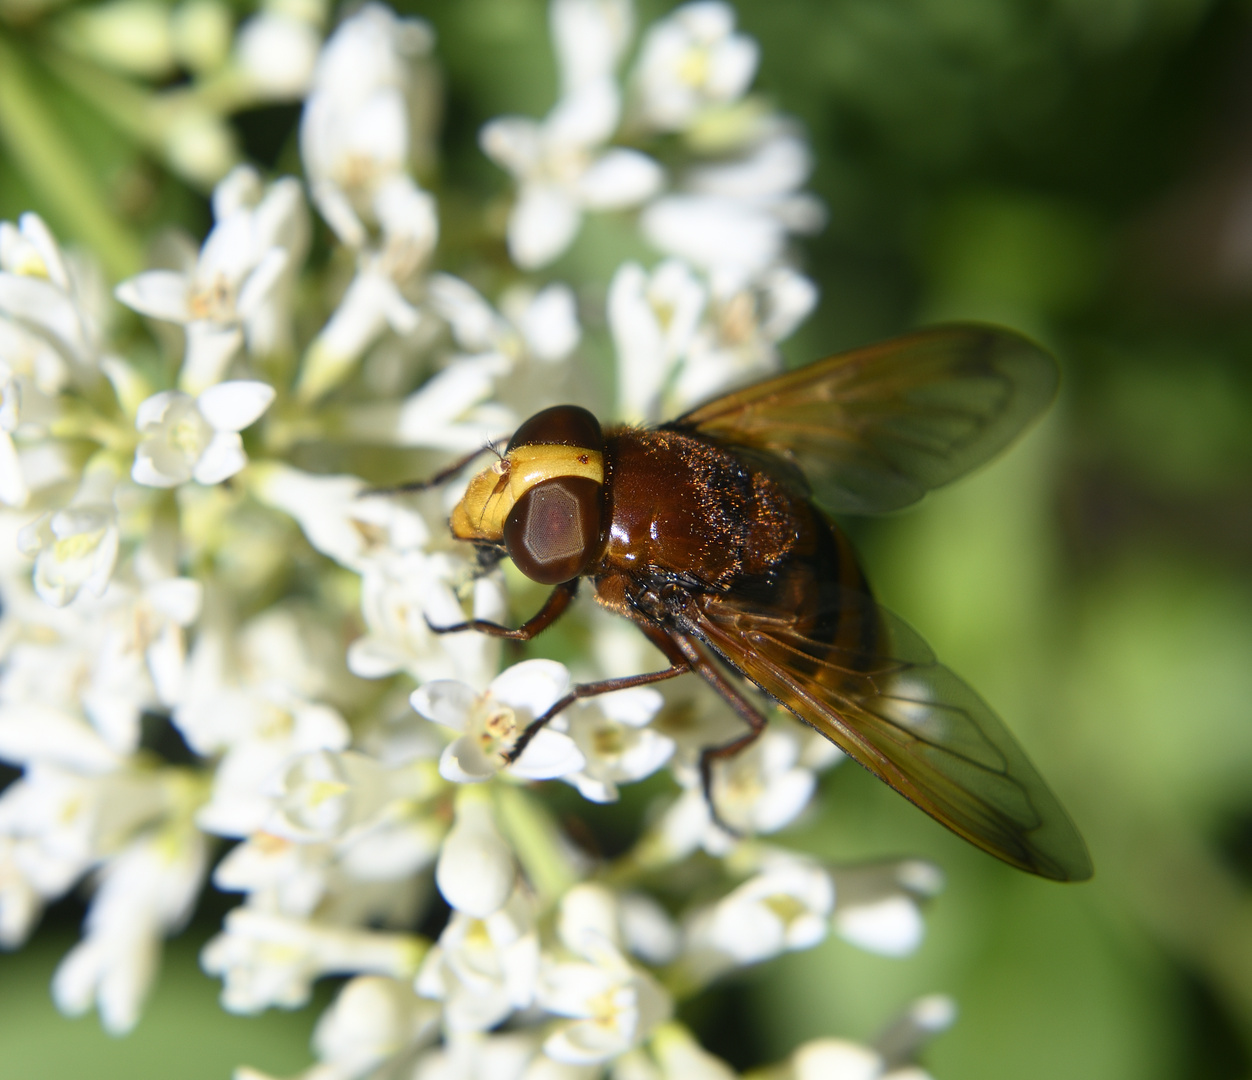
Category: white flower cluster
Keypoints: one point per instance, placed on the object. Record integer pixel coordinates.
(174, 573)
(171, 74)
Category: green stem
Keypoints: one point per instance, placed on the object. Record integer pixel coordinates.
(56, 171)
(145, 117)
(537, 840)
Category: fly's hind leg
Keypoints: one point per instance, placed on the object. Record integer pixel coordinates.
(747, 712)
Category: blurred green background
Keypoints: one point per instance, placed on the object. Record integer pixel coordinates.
(1080, 170)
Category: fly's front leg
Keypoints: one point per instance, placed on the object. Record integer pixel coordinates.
(558, 600)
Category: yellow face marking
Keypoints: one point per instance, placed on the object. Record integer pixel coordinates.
(491, 495)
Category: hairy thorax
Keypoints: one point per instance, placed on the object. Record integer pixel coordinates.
(685, 509)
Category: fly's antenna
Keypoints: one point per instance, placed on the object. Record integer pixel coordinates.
(446, 473)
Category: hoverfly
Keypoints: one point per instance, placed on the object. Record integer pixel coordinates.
(710, 533)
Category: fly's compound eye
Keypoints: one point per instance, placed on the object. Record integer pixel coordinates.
(553, 531)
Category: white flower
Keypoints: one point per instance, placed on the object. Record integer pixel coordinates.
(35, 730)
(558, 164)
(32, 374)
(692, 60)
(647, 930)
(279, 874)
(75, 548)
(476, 871)
(405, 840)
(280, 219)
(30, 250)
(613, 1006)
(38, 290)
(561, 172)
(339, 515)
(324, 795)
(784, 908)
(589, 919)
(590, 37)
(238, 268)
(262, 732)
(20, 902)
(133, 655)
(266, 959)
(375, 301)
(146, 893)
(186, 438)
(473, 1055)
(714, 233)
(490, 723)
(653, 318)
(734, 217)
(611, 732)
(681, 1057)
(760, 790)
(65, 823)
(277, 51)
(763, 789)
(483, 969)
(373, 1021)
(33, 363)
(449, 411)
(838, 1059)
(354, 134)
(680, 341)
(541, 324)
(244, 695)
(879, 906)
(400, 591)
(736, 341)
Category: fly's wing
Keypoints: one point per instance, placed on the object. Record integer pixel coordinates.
(876, 428)
(880, 695)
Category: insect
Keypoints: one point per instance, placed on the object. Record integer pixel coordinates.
(711, 534)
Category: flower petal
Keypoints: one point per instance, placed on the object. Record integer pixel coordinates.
(543, 224)
(533, 685)
(620, 178)
(222, 458)
(210, 349)
(160, 294)
(550, 323)
(892, 927)
(445, 701)
(550, 754)
(261, 281)
(233, 406)
(475, 871)
(463, 762)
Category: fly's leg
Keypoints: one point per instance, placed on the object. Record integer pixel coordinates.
(734, 697)
(679, 665)
(586, 690)
(558, 600)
